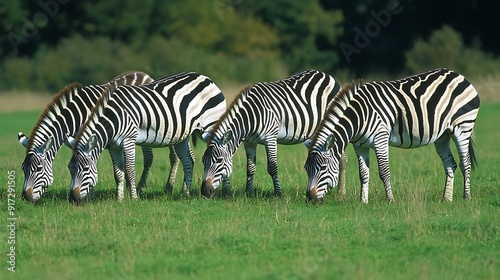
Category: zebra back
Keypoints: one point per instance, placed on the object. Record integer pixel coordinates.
(171, 108)
(417, 108)
(298, 101)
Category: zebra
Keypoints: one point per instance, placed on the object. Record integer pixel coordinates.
(63, 116)
(286, 111)
(430, 107)
(162, 113)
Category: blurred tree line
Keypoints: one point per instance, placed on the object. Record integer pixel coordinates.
(47, 44)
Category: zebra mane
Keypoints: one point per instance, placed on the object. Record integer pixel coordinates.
(339, 103)
(95, 113)
(243, 92)
(131, 78)
(53, 109)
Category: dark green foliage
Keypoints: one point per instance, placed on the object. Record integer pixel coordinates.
(445, 48)
(50, 43)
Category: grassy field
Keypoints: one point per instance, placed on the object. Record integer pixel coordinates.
(177, 237)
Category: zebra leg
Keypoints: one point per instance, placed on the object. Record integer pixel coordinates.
(363, 155)
(251, 151)
(442, 146)
(186, 155)
(118, 168)
(465, 150)
(129, 156)
(147, 154)
(381, 146)
(342, 174)
(226, 184)
(272, 164)
(174, 166)
(382, 154)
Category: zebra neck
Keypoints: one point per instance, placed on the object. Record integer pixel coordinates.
(64, 115)
(81, 145)
(45, 134)
(340, 144)
(339, 126)
(238, 135)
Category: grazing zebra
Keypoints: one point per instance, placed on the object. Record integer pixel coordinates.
(286, 112)
(163, 113)
(63, 116)
(412, 112)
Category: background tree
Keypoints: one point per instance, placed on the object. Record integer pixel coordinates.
(236, 40)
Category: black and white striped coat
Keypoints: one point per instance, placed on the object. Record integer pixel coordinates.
(431, 107)
(287, 111)
(63, 116)
(162, 113)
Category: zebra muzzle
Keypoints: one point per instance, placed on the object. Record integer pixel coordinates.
(313, 196)
(207, 188)
(75, 195)
(28, 195)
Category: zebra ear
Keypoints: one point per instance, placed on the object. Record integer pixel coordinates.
(329, 142)
(307, 143)
(22, 139)
(91, 144)
(46, 146)
(228, 136)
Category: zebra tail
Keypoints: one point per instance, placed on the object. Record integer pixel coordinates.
(472, 153)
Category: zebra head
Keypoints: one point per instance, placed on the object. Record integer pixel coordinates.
(322, 168)
(83, 169)
(37, 169)
(218, 164)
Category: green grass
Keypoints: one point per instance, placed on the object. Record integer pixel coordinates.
(178, 237)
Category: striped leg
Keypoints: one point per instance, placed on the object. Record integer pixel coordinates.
(251, 151)
(186, 155)
(118, 168)
(147, 153)
(382, 153)
(342, 174)
(174, 166)
(363, 155)
(226, 184)
(465, 151)
(442, 146)
(129, 156)
(272, 164)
